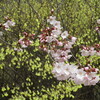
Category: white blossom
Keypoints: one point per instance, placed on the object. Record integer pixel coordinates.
(86, 78)
(8, 24)
(57, 25)
(51, 20)
(85, 53)
(73, 39)
(64, 71)
(64, 34)
(98, 21)
(90, 79)
(79, 77)
(68, 45)
(92, 51)
(49, 39)
(56, 33)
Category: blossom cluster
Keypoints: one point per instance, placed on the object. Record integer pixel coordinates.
(86, 75)
(58, 45)
(63, 71)
(8, 24)
(56, 42)
(25, 41)
(90, 51)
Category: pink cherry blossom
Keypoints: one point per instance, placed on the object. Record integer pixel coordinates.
(8, 24)
(64, 34)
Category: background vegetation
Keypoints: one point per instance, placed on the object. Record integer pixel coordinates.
(27, 75)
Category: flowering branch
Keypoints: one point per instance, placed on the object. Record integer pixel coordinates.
(58, 45)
